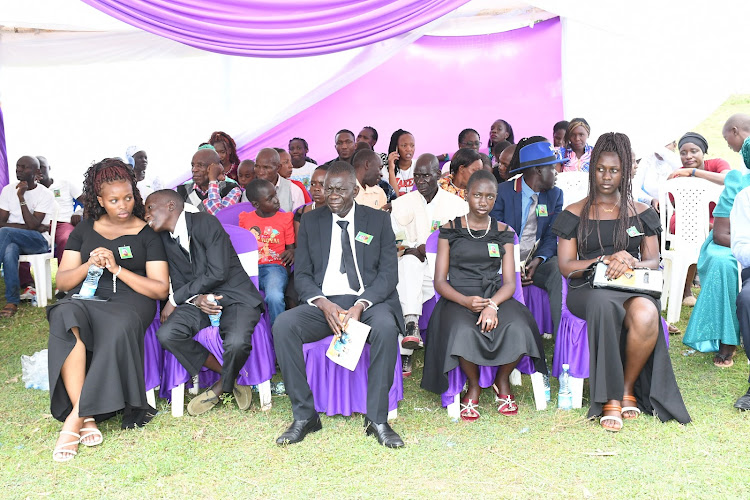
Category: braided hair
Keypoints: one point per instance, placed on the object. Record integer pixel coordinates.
(307, 148)
(611, 142)
(229, 145)
(510, 137)
(108, 170)
(393, 145)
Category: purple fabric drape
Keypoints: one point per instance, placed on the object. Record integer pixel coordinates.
(3, 154)
(435, 88)
(276, 28)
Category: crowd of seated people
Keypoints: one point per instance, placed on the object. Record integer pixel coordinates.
(349, 238)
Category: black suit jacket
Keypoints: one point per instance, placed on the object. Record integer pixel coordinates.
(377, 262)
(213, 266)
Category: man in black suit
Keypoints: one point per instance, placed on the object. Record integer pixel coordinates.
(530, 204)
(202, 261)
(346, 264)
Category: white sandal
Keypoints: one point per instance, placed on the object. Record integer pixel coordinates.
(67, 455)
(91, 431)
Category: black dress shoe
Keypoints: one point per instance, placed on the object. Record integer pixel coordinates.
(744, 402)
(299, 429)
(383, 432)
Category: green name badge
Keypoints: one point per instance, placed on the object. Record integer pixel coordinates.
(435, 225)
(633, 232)
(494, 249)
(125, 252)
(57, 193)
(363, 238)
(541, 211)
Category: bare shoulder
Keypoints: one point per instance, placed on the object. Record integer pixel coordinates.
(577, 207)
(641, 207)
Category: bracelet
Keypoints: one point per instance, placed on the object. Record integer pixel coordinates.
(493, 306)
(600, 258)
(114, 279)
(23, 203)
(693, 173)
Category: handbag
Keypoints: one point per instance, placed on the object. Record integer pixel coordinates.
(641, 280)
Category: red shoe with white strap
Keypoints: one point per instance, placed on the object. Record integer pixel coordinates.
(508, 405)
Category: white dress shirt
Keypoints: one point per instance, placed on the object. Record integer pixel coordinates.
(334, 281)
(181, 231)
(739, 221)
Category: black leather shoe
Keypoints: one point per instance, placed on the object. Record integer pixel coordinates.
(299, 429)
(744, 402)
(383, 432)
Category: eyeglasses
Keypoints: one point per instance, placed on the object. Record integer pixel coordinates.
(476, 144)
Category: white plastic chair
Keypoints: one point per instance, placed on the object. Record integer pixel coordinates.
(574, 185)
(691, 203)
(40, 263)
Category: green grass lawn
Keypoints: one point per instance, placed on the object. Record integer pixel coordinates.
(228, 453)
(231, 453)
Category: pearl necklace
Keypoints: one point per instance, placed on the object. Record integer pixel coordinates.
(489, 222)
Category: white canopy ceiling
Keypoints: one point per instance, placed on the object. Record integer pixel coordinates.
(650, 69)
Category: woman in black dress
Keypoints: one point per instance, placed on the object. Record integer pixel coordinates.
(630, 369)
(95, 347)
(477, 322)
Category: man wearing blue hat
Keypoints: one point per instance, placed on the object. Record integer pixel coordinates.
(530, 205)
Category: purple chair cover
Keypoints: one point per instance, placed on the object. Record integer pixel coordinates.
(338, 391)
(572, 343)
(259, 367)
(537, 301)
(153, 353)
(231, 214)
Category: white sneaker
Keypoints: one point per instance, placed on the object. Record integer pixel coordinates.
(29, 293)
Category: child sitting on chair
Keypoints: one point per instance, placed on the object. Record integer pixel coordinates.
(275, 242)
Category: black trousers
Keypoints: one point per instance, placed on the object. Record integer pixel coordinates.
(743, 311)
(548, 278)
(306, 323)
(236, 329)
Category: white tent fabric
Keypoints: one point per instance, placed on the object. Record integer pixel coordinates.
(650, 69)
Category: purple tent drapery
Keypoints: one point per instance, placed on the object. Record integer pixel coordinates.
(276, 28)
(3, 153)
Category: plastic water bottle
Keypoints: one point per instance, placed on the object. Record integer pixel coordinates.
(88, 288)
(565, 395)
(546, 387)
(215, 318)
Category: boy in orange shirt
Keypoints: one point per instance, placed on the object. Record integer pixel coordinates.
(274, 231)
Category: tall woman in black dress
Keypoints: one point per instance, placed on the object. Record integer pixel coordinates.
(96, 348)
(477, 322)
(630, 369)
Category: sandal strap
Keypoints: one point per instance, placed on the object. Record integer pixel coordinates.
(69, 433)
(90, 419)
(611, 407)
(630, 408)
(89, 431)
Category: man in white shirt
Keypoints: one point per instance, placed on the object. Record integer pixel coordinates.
(346, 269)
(414, 216)
(25, 212)
(66, 194)
(267, 165)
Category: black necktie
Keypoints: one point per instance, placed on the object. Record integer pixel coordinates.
(176, 239)
(347, 257)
